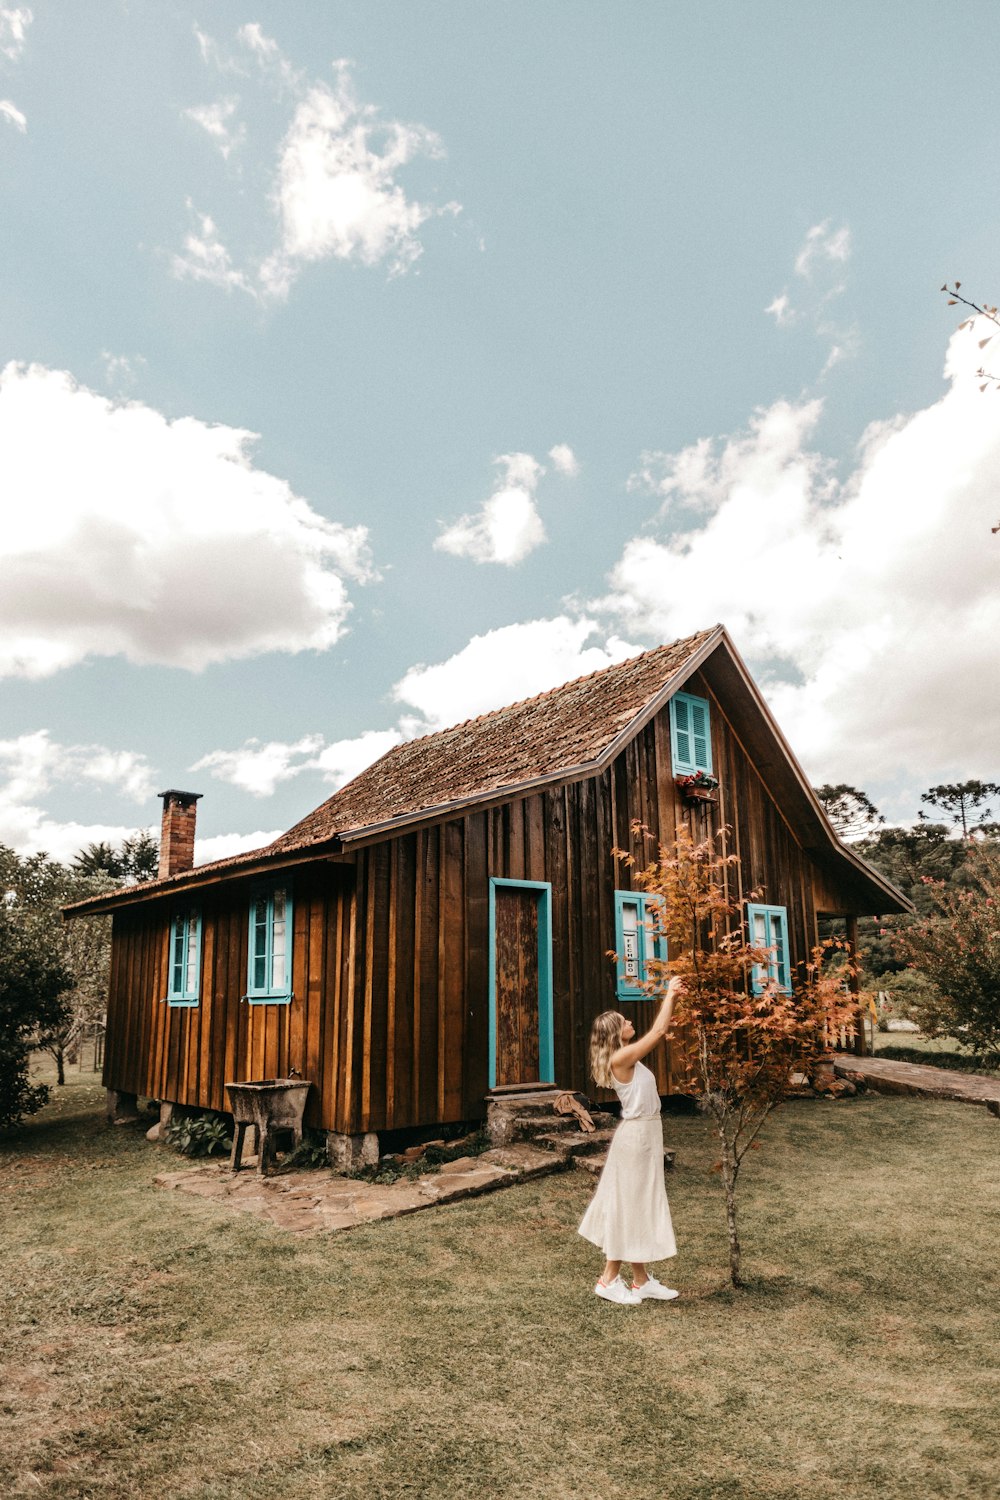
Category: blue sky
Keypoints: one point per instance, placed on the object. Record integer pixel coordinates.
(365, 367)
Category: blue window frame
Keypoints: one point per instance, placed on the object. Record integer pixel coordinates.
(269, 969)
(690, 734)
(184, 962)
(768, 928)
(636, 942)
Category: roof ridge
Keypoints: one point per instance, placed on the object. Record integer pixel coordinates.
(545, 693)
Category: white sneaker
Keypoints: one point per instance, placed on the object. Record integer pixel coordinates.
(617, 1291)
(656, 1290)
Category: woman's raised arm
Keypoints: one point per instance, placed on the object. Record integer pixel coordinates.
(625, 1058)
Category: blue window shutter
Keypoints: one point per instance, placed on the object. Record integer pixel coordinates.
(700, 735)
(681, 725)
(779, 942)
(656, 942)
(691, 734)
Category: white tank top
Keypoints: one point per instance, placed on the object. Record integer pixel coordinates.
(640, 1098)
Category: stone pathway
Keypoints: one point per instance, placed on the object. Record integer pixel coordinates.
(891, 1077)
(320, 1201)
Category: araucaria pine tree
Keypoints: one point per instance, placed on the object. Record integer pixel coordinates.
(740, 1033)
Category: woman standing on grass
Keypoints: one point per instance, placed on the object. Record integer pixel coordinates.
(628, 1216)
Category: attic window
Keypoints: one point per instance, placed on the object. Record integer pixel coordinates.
(690, 734)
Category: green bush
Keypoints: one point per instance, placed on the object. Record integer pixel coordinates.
(310, 1153)
(199, 1135)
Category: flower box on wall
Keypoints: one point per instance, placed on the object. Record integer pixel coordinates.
(698, 787)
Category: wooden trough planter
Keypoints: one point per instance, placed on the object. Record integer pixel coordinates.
(270, 1104)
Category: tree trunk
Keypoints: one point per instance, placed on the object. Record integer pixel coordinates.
(729, 1174)
(60, 1066)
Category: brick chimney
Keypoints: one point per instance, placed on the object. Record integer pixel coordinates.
(180, 811)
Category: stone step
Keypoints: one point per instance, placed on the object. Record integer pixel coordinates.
(576, 1142)
(526, 1125)
(509, 1090)
(529, 1106)
(533, 1127)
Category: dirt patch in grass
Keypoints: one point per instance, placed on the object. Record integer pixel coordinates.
(158, 1345)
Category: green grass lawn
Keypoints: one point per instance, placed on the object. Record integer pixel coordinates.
(156, 1345)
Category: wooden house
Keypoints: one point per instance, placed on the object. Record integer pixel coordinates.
(441, 925)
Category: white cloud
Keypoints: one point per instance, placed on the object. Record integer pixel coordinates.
(14, 23)
(260, 768)
(128, 534)
(819, 265)
(268, 56)
(507, 526)
(822, 244)
(699, 478)
(335, 192)
(872, 607)
(564, 460)
(217, 122)
(205, 257)
(121, 371)
(781, 310)
(13, 115)
(223, 845)
(33, 763)
(506, 665)
(341, 761)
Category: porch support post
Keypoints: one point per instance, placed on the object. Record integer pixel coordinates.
(855, 986)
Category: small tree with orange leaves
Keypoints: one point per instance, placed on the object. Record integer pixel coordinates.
(742, 1034)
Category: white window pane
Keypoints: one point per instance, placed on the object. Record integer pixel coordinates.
(191, 967)
(630, 939)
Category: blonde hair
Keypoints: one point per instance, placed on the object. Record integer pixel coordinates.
(605, 1039)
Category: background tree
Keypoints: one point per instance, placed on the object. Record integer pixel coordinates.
(956, 946)
(852, 813)
(33, 986)
(134, 860)
(742, 1042)
(960, 802)
(34, 890)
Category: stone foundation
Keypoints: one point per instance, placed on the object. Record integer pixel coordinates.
(121, 1108)
(346, 1153)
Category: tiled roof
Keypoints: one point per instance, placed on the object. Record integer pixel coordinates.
(555, 732)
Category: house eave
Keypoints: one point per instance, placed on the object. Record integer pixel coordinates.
(330, 852)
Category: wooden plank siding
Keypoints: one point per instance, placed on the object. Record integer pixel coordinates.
(391, 956)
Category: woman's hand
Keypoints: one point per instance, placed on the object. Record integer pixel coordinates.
(674, 989)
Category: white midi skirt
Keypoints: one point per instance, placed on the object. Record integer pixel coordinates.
(628, 1216)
